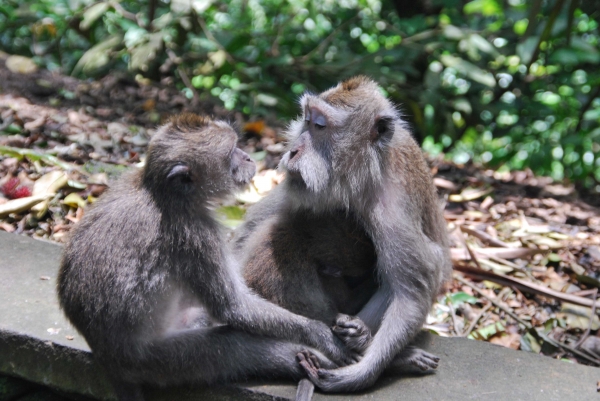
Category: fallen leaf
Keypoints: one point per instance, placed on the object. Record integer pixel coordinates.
(21, 204)
(578, 316)
(488, 331)
(504, 253)
(74, 200)
(444, 184)
(255, 127)
(48, 184)
(507, 340)
(469, 194)
(21, 64)
(9, 228)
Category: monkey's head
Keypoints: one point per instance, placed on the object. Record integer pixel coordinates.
(194, 157)
(337, 149)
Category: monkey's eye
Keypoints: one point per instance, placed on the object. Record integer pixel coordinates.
(318, 118)
(320, 122)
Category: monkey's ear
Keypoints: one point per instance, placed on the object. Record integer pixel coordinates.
(382, 129)
(180, 172)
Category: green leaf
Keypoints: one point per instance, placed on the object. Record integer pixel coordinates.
(470, 70)
(530, 343)
(35, 156)
(460, 297)
(141, 55)
(258, 156)
(231, 216)
(488, 331)
(92, 14)
(98, 56)
(485, 7)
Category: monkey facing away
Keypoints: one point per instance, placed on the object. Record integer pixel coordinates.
(148, 281)
(351, 152)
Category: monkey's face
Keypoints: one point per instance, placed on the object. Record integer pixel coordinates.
(337, 148)
(198, 158)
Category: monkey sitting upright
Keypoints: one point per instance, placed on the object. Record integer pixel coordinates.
(147, 279)
(350, 154)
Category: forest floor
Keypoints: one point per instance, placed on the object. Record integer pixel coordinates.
(526, 251)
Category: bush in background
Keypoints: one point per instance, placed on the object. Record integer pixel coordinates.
(510, 84)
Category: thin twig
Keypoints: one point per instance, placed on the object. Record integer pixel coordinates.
(527, 325)
(211, 37)
(507, 310)
(151, 13)
(546, 32)
(474, 322)
(126, 14)
(484, 236)
(453, 314)
(523, 285)
(572, 350)
(589, 328)
(184, 77)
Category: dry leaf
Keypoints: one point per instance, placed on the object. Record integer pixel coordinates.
(507, 340)
(21, 64)
(469, 194)
(21, 204)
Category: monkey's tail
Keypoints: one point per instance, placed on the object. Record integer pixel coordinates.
(305, 390)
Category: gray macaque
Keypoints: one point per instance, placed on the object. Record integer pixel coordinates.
(148, 280)
(351, 156)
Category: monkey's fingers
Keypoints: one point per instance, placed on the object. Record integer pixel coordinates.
(350, 325)
(354, 333)
(310, 364)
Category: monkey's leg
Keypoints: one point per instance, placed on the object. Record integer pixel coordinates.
(214, 355)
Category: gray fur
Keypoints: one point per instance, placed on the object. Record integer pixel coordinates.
(366, 162)
(147, 278)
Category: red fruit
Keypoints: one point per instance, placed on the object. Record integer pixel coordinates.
(12, 190)
(21, 192)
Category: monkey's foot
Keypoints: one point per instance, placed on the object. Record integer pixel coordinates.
(310, 363)
(355, 334)
(411, 359)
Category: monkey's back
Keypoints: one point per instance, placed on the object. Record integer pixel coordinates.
(109, 255)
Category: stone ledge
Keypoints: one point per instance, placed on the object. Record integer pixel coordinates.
(36, 345)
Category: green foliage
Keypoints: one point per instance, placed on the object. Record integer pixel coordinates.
(513, 84)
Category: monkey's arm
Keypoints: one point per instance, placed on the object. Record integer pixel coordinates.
(231, 301)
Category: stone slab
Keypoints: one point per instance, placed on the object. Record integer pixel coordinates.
(35, 345)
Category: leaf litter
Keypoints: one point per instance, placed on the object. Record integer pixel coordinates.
(526, 251)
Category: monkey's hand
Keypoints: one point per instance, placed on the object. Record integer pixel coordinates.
(325, 340)
(353, 332)
(412, 359)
